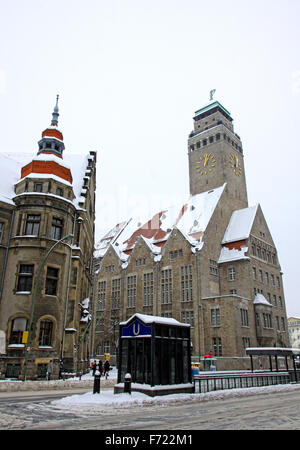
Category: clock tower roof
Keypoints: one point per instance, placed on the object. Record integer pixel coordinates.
(211, 108)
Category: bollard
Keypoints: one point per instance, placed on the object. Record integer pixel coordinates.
(96, 389)
(127, 383)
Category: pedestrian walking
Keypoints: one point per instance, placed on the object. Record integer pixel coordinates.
(100, 367)
(94, 367)
(49, 369)
(106, 368)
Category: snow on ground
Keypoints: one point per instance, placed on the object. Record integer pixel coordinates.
(107, 399)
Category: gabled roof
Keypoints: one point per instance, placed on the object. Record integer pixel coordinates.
(240, 225)
(191, 219)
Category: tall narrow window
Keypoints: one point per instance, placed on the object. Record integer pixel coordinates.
(148, 289)
(115, 293)
(215, 317)
(46, 329)
(25, 276)
(51, 281)
(56, 228)
(231, 273)
(213, 267)
(187, 283)
(32, 224)
(101, 295)
(244, 317)
(166, 286)
(131, 291)
(217, 346)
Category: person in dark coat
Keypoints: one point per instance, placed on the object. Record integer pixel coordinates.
(100, 367)
(106, 368)
(94, 367)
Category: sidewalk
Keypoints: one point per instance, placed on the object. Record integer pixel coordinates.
(87, 381)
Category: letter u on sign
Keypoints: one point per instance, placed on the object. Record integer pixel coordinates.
(136, 328)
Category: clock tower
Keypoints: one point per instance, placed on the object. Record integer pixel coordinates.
(216, 155)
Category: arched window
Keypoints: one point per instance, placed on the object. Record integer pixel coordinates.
(18, 326)
(46, 332)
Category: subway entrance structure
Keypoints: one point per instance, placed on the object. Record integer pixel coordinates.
(156, 352)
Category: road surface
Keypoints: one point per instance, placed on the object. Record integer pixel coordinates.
(33, 411)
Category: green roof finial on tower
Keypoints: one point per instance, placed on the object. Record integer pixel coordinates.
(211, 94)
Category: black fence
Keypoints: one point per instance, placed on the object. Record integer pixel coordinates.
(218, 381)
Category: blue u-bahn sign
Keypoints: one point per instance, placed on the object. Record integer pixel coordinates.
(136, 329)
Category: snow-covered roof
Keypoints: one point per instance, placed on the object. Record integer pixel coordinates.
(147, 319)
(12, 163)
(260, 299)
(240, 224)
(228, 255)
(191, 219)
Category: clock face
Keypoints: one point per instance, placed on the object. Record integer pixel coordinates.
(206, 164)
(235, 165)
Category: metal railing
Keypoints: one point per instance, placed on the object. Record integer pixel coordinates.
(213, 382)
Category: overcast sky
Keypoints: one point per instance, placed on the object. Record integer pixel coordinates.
(131, 74)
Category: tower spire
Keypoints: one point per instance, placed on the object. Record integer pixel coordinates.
(55, 114)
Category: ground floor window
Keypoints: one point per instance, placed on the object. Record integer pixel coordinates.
(217, 346)
(46, 330)
(18, 326)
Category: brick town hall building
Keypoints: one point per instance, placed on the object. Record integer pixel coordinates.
(210, 262)
(47, 205)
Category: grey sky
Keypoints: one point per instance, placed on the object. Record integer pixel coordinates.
(131, 74)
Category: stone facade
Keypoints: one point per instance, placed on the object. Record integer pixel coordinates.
(294, 331)
(47, 213)
(212, 263)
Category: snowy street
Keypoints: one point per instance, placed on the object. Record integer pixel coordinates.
(271, 407)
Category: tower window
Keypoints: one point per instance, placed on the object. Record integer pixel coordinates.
(218, 136)
(211, 139)
(51, 281)
(25, 278)
(204, 142)
(38, 187)
(32, 224)
(59, 192)
(56, 228)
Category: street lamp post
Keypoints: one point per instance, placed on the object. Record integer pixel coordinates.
(36, 282)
